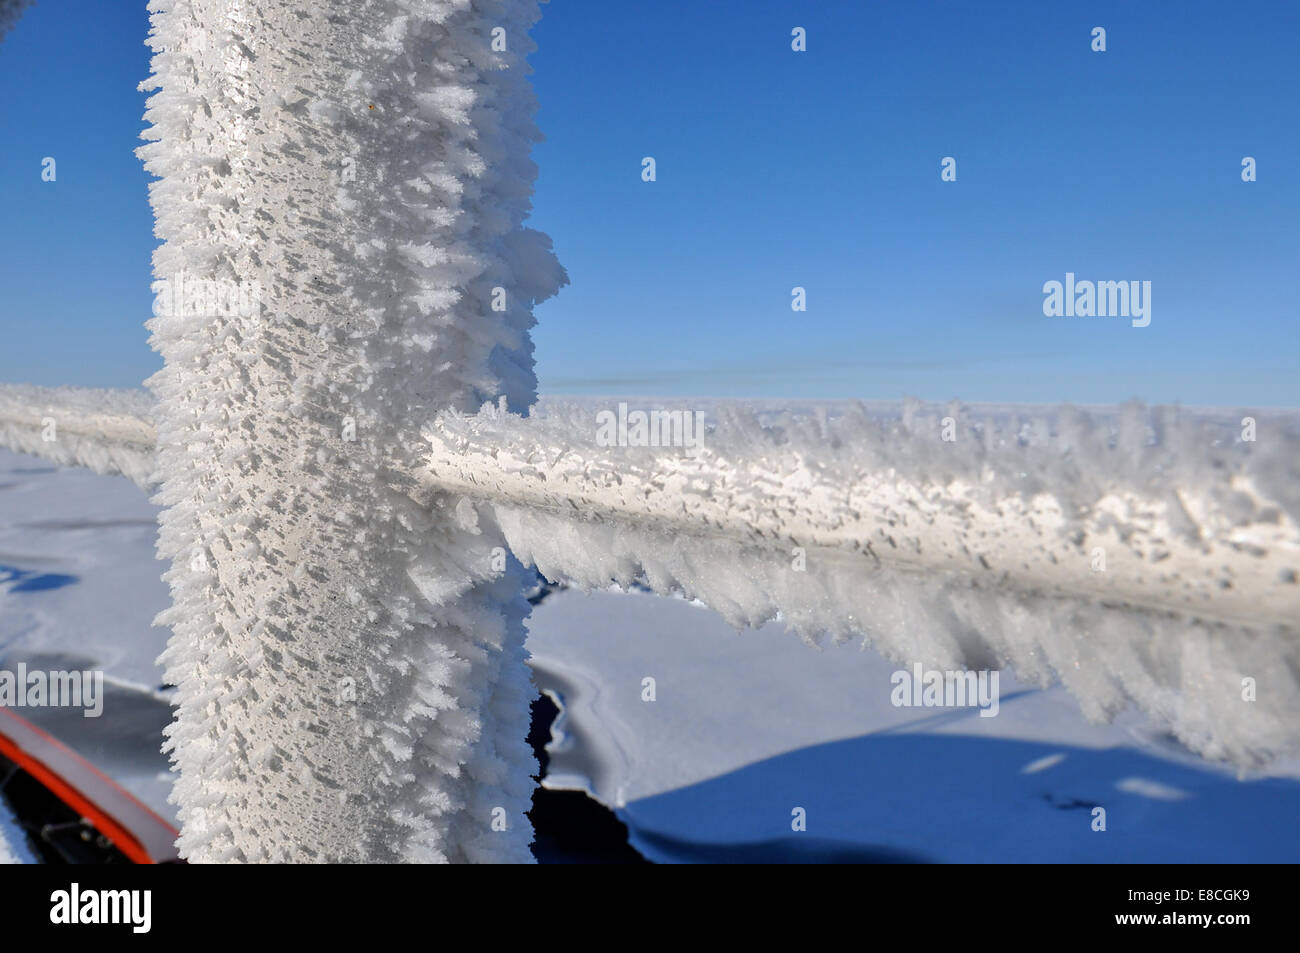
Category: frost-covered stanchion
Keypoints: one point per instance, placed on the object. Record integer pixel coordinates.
(340, 196)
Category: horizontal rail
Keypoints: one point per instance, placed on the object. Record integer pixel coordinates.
(1125, 551)
(107, 431)
(1208, 537)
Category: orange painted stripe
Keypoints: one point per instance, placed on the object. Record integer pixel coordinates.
(121, 837)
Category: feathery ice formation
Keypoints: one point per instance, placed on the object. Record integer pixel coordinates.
(106, 431)
(348, 653)
(1140, 557)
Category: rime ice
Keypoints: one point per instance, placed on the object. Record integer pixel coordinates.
(350, 669)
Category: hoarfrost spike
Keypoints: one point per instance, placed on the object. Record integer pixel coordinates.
(337, 196)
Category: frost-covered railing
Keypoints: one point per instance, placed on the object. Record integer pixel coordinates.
(107, 431)
(1146, 556)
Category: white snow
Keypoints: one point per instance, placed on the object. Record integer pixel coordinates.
(79, 588)
(744, 727)
(13, 842)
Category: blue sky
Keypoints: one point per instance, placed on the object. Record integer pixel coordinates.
(778, 169)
